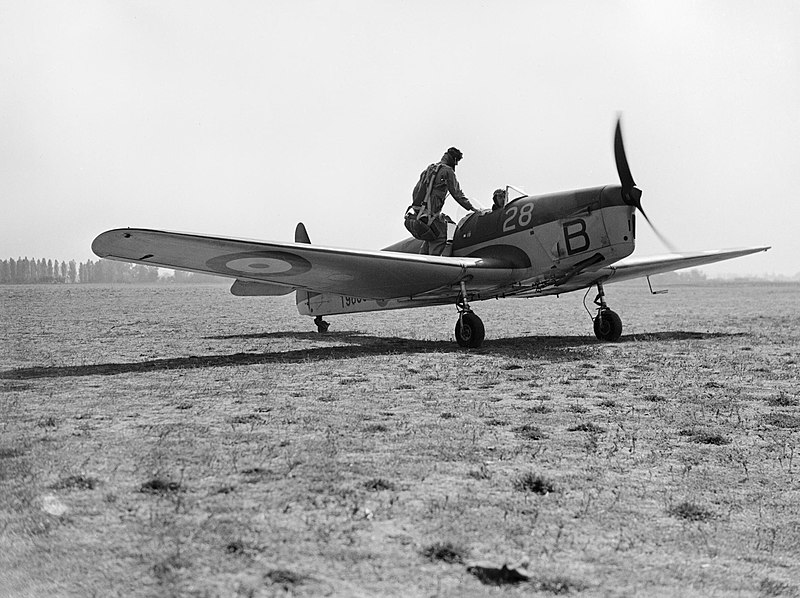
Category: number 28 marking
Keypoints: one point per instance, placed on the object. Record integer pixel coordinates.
(517, 218)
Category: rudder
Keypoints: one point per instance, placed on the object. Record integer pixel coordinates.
(302, 297)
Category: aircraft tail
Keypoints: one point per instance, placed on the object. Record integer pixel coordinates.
(302, 298)
(325, 304)
(301, 234)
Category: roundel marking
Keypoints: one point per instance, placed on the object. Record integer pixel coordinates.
(265, 263)
(259, 265)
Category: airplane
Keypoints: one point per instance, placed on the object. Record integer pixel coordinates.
(533, 246)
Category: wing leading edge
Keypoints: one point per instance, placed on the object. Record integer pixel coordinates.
(639, 267)
(361, 273)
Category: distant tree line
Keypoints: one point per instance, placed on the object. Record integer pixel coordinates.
(32, 271)
(41, 271)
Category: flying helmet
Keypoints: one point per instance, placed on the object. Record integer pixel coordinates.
(452, 156)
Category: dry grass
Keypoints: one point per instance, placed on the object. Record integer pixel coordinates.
(532, 482)
(182, 442)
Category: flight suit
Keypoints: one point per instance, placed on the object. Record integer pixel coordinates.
(445, 182)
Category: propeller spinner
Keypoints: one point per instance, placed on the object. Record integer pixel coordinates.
(631, 194)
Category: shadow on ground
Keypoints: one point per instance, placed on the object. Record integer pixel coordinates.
(351, 345)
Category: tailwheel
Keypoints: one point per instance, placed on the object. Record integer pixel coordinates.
(469, 330)
(322, 325)
(607, 325)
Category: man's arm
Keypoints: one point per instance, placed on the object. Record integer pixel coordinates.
(455, 190)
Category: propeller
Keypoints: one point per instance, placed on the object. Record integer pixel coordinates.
(631, 194)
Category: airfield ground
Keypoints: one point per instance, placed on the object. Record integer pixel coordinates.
(176, 440)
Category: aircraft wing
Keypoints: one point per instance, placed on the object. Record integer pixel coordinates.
(371, 274)
(637, 267)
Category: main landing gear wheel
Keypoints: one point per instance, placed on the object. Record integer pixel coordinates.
(322, 325)
(607, 326)
(469, 330)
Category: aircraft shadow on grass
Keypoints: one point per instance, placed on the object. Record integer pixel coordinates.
(354, 345)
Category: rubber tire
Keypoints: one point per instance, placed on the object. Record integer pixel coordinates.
(470, 331)
(607, 326)
(322, 325)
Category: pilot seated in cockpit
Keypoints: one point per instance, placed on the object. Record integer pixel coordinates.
(498, 199)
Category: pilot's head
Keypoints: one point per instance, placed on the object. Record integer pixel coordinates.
(452, 156)
(498, 199)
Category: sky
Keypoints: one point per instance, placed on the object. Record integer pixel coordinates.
(241, 119)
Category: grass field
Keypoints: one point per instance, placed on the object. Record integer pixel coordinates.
(179, 441)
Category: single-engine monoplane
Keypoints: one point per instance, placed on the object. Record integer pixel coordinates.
(533, 246)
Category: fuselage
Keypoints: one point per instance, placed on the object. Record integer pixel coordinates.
(532, 243)
(547, 237)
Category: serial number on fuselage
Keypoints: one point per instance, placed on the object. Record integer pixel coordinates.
(352, 301)
(362, 303)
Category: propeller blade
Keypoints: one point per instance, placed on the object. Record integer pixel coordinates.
(623, 170)
(631, 194)
(661, 237)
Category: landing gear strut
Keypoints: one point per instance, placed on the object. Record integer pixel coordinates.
(322, 325)
(607, 324)
(469, 327)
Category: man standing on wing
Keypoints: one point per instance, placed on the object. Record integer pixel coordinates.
(424, 219)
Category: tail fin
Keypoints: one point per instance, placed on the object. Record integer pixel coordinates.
(301, 236)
